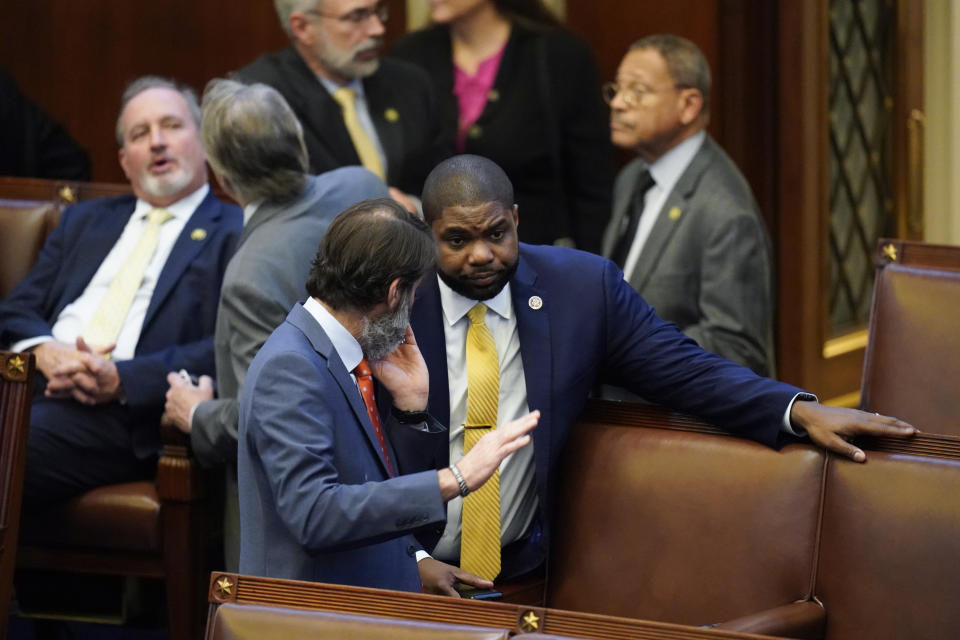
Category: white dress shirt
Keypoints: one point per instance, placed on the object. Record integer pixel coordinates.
(346, 346)
(518, 495)
(75, 317)
(666, 171)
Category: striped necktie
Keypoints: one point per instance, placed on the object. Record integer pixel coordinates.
(480, 538)
(365, 382)
(346, 98)
(108, 319)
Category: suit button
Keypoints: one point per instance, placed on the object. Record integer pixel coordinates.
(411, 550)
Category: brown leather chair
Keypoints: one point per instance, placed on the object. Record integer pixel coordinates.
(16, 387)
(912, 362)
(143, 529)
(251, 607)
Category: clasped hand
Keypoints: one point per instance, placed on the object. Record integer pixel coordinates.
(79, 371)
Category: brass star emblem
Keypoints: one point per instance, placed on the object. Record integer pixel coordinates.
(890, 252)
(67, 195)
(530, 622)
(16, 364)
(224, 586)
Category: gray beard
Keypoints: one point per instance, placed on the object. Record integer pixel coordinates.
(381, 335)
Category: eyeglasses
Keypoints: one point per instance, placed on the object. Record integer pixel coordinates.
(358, 16)
(632, 96)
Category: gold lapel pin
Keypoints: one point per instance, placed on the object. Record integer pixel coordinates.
(391, 114)
(493, 95)
(674, 213)
(535, 302)
(198, 234)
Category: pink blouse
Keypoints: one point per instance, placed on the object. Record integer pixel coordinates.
(472, 91)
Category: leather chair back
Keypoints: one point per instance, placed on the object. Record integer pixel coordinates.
(16, 388)
(912, 361)
(889, 562)
(24, 226)
(718, 527)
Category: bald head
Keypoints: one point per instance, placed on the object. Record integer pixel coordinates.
(465, 181)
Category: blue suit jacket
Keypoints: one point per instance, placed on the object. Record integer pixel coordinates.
(178, 328)
(591, 328)
(316, 502)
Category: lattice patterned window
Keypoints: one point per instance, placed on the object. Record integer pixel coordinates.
(861, 166)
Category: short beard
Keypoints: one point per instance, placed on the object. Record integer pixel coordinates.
(343, 63)
(167, 185)
(381, 335)
(467, 290)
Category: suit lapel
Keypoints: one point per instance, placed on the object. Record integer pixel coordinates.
(426, 318)
(379, 103)
(97, 241)
(302, 320)
(187, 247)
(532, 306)
(669, 217)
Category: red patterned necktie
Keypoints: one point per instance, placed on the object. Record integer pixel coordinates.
(365, 382)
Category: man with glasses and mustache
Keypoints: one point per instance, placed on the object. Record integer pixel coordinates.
(355, 108)
(125, 289)
(685, 227)
(332, 398)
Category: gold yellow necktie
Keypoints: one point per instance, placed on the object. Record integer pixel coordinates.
(108, 319)
(480, 537)
(367, 151)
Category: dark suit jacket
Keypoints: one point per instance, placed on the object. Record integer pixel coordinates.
(401, 104)
(593, 327)
(178, 328)
(709, 268)
(316, 501)
(544, 123)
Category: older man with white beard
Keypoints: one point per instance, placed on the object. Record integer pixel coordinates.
(124, 289)
(355, 108)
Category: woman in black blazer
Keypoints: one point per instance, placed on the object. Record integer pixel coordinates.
(542, 119)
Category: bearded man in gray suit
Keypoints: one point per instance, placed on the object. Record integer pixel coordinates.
(685, 227)
(255, 146)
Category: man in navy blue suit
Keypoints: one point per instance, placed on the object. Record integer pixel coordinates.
(324, 493)
(124, 290)
(563, 321)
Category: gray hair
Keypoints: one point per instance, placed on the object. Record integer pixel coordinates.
(254, 140)
(141, 84)
(286, 7)
(686, 63)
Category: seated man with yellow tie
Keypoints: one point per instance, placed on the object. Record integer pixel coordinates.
(355, 108)
(329, 401)
(124, 290)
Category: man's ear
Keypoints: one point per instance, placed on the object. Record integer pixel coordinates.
(299, 22)
(122, 157)
(516, 217)
(394, 294)
(691, 105)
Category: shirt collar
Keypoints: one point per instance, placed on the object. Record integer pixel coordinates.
(456, 306)
(346, 346)
(671, 165)
(182, 209)
(354, 84)
(250, 209)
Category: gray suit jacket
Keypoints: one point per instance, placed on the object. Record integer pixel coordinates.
(265, 277)
(706, 265)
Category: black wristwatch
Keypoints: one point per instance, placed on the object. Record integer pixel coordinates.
(409, 417)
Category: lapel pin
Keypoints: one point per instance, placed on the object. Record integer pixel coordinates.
(493, 95)
(391, 114)
(535, 302)
(674, 213)
(198, 234)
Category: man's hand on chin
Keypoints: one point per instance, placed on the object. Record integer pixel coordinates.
(439, 578)
(832, 427)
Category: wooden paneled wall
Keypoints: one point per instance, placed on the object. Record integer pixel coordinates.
(74, 57)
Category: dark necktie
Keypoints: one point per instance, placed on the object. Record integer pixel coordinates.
(620, 252)
(365, 382)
